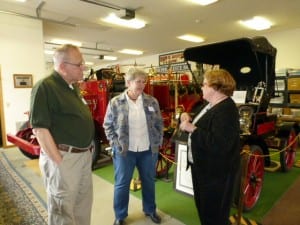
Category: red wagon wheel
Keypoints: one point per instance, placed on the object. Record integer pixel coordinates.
(254, 177)
(287, 157)
(165, 158)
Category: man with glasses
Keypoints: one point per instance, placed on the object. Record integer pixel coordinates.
(64, 128)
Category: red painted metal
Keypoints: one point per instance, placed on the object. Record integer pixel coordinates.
(265, 127)
(32, 148)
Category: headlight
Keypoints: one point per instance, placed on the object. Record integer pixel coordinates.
(245, 119)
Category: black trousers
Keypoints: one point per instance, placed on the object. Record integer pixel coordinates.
(213, 200)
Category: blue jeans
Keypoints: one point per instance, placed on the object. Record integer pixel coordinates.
(124, 166)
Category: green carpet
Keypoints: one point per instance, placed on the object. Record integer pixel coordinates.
(182, 207)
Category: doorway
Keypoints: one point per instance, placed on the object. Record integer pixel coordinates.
(2, 127)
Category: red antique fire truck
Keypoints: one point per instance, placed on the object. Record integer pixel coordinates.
(97, 92)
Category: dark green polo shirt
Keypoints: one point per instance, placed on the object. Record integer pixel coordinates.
(59, 108)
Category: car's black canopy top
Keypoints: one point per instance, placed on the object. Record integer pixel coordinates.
(233, 55)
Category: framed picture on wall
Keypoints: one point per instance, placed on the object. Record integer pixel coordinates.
(22, 80)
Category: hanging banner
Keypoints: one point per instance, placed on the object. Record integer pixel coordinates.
(181, 67)
(171, 58)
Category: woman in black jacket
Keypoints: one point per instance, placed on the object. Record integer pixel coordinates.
(213, 148)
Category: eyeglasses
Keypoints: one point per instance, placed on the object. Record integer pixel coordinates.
(80, 65)
(140, 81)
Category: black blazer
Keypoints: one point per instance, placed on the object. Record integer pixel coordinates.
(216, 142)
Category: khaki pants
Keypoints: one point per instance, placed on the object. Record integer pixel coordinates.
(69, 188)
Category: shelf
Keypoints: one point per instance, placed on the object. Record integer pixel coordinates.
(282, 84)
(278, 105)
(280, 77)
(280, 91)
(293, 105)
(293, 91)
(293, 76)
(289, 118)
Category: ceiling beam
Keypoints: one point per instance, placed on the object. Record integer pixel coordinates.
(103, 4)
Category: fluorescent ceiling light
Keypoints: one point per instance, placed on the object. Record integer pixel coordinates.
(21, 0)
(191, 38)
(133, 23)
(204, 2)
(49, 52)
(131, 52)
(106, 57)
(257, 23)
(111, 58)
(62, 42)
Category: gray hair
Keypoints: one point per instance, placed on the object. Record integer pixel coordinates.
(62, 53)
(134, 72)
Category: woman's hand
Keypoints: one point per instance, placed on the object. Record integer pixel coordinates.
(185, 117)
(186, 125)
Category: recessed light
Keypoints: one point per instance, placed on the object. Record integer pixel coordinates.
(191, 38)
(132, 23)
(131, 52)
(257, 23)
(204, 2)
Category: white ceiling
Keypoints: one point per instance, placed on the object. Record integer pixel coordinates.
(166, 19)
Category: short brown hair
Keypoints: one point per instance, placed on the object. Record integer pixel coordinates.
(220, 80)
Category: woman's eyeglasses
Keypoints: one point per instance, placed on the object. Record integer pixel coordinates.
(140, 81)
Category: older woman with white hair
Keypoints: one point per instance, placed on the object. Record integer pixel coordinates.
(134, 127)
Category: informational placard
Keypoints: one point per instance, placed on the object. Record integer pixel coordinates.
(239, 97)
(183, 177)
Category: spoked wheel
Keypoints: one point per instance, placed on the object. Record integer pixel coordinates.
(288, 155)
(253, 178)
(165, 158)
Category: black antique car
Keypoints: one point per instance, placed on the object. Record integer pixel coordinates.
(252, 63)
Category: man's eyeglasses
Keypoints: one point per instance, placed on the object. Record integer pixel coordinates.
(80, 65)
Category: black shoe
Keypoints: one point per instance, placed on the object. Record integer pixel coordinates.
(154, 217)
(119, 222)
